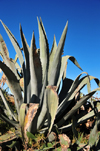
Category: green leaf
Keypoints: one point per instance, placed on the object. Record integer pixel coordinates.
(26, 70)
(77, 85)
(81, 119)
(13, 123)
(66, 84)
(49, 144)
(64, 66)
(25, 47)
(22, 117)
(69, 95)
(14, 43)
(40, 116)
(13, 84)
(81, 83)
(30, 135)
(16, 58)
(52, 105)
(9, 109)
(18, 68)
(51, 56)
(4, 49)
(36, 72)
(53, 49)
(76, 107)
(54, 75)
(9, 136)
(93, 135)
(14, 144)
(80, 138)
(44, 49)
(5, 56)
(42, 112)
(43, 90)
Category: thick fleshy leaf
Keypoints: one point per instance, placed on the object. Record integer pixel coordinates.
(57, 59)
(16, 58)
(36, 72)
(14, 84)
(14, 43)
(82, 82)
(1, 55)
(52, 105)
(22, 115)
(53, 49)
(30, 116)
(51, 57)
(77, 85)
(25, 47)
(22, 118)
(22, 83)
(43, 90)
(40, 117)
(11, 122)
(71, 58)
(18, 68)
(27, 83)
(9, 109)
(4, 49)
(9, 136)
(13, 68)
(93, 135)
(89, 78)
(66, 101)
(64, 65)
(44, 48)
(43, 110)
(65, 88)
(6, 58)
(77, 106)
(80, 119)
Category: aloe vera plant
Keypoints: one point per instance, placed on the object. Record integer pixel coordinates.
(42, 104)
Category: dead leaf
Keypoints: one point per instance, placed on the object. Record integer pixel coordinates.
(30, 115)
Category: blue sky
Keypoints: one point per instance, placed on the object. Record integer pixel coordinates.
(83, 36)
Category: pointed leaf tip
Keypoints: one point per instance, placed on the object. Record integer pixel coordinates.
(1, 21)
(37, 19)
(20, 27)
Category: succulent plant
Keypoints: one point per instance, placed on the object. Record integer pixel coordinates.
(42, 104)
